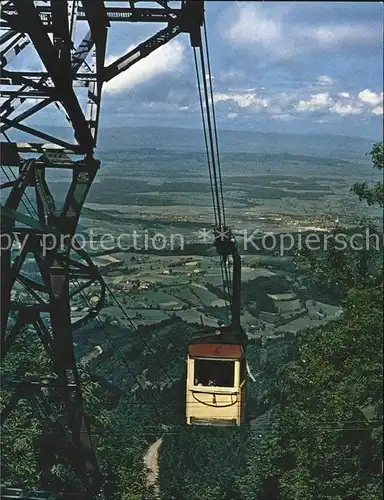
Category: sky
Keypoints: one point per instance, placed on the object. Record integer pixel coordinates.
(295, 67)
(287, 67)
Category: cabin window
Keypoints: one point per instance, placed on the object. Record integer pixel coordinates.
(215, 373)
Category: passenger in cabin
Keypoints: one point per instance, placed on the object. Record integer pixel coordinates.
(211, 374)
(208, 381)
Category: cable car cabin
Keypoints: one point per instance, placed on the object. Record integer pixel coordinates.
(215, 382)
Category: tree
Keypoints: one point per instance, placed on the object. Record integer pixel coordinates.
(338, 269)
(117, 427)
(324, 439)
(330, 419)
(199, 463)
(332, 405)
(372, 194)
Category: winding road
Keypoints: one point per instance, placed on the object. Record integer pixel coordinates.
(151, 464)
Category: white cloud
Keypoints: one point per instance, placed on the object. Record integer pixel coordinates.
(345, 109)
(378, 110)
(285, 106)
(253, 27)
(232, 75)
(331, 37)
(284, 117)
(163, 60)
(324, 80)
(243, 100)
(252, 89)
(317, 101)
(269, 31)
(371, 98)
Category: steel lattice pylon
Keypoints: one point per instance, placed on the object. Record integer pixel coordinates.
(72, 68)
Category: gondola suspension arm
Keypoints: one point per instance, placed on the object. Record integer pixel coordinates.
(225, 242)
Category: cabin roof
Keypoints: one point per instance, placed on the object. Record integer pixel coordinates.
(216, 350)
(224, 336)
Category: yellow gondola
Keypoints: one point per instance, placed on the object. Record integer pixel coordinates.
(215, 382)
(215, 364)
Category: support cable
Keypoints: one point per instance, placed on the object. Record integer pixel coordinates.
(135, 328)
(227, 268)
(216, 166)
(216, 209)
(113, 343)
(210, 136)
(120, 355)
(205, 134)
(214, 120)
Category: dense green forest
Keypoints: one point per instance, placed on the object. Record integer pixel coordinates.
(315, 410)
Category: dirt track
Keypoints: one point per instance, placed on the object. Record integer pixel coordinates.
(151, 463)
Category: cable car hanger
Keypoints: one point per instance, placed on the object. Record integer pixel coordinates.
(224, 239)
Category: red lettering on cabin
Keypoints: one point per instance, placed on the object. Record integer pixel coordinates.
(226, 351)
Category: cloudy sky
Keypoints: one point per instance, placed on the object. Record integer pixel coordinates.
(295, 67)
(292, 67)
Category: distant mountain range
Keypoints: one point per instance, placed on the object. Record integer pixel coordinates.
(179, 139)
